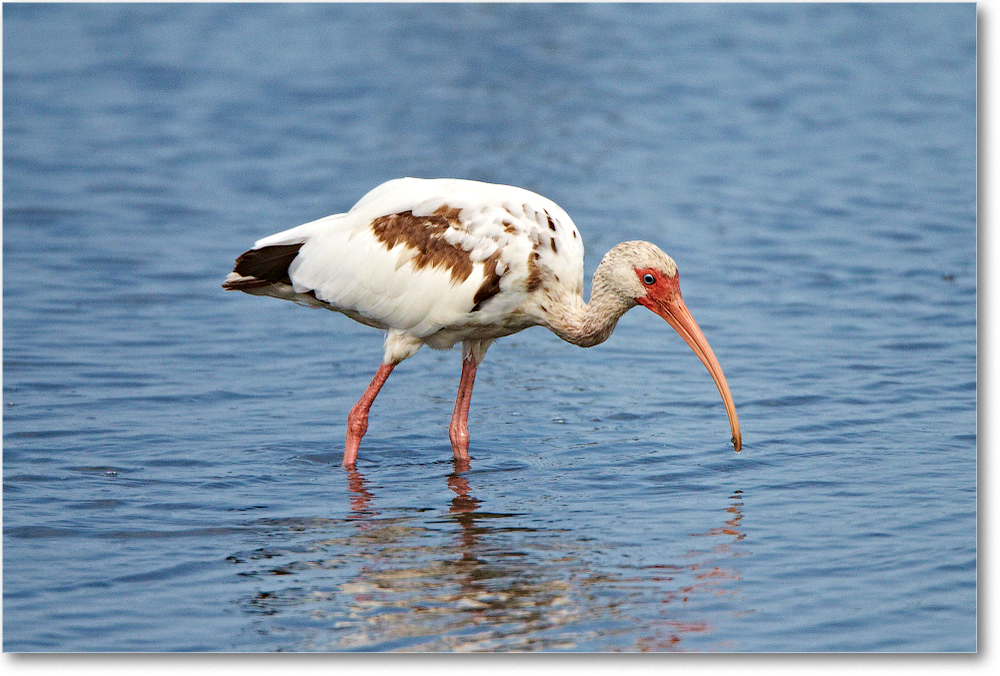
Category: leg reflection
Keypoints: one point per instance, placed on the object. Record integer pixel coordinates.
(462, 503)
(464, 506)
(361, 497)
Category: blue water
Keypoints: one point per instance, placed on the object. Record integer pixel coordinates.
(171, 451)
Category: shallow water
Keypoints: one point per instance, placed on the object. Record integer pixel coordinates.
(171, 451)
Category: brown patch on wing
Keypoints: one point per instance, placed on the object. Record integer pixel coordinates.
(425, 234)
(534, 273)
(491, 285)
(448, 213)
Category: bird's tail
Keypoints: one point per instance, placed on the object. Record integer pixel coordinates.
(259, 269)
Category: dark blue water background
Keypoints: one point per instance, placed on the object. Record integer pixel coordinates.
(171, 452)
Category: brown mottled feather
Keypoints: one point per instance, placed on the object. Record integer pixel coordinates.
(425, 234)
(491, 285)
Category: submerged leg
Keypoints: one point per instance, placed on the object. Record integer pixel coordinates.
(357, 421)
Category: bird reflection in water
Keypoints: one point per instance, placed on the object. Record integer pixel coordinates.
(471, 594)
(470, 579)
(710, 579)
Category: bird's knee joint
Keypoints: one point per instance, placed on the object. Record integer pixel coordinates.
(357, 423)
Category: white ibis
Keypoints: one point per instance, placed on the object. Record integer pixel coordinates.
(442, 261)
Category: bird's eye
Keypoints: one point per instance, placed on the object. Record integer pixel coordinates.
(648, 279)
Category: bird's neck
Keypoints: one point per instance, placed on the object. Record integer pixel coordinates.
(589, 324)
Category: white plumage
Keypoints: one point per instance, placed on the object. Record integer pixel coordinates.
(437, 262)
(350, 270)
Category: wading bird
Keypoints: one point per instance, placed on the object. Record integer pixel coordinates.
(441, 261)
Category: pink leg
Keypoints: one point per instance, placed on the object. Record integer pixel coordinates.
(458, 431)
(357, 421)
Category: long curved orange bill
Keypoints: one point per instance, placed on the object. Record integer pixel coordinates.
(678, 316)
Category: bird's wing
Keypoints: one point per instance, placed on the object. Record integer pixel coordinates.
(423, 255)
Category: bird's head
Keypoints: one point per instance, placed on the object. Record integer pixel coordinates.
(643, 272)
